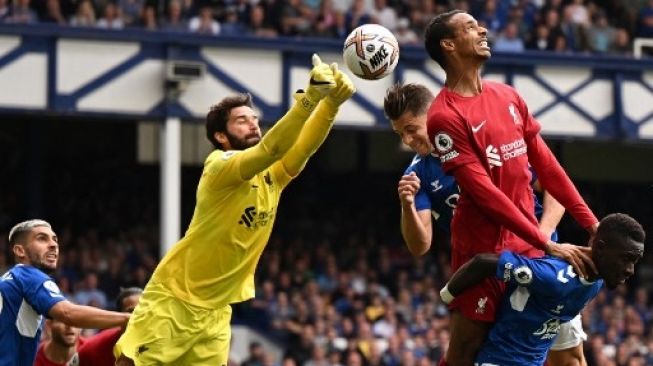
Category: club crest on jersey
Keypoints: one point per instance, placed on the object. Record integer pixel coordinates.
(52, 288)
(515, 116)
(228, 154)
(443, 142)
(523, 275)
(507, 268)
(480, 305)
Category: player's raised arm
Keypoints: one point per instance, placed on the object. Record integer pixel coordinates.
(278, 140)
(551, 175)
(87, 316)
(319, 124)
(416, 225)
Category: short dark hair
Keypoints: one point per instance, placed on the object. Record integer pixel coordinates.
(216, 119)
(399, 98)
(623, 226)
(437, 29)
(125, 293)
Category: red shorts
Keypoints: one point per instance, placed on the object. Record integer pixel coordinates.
(480, 302)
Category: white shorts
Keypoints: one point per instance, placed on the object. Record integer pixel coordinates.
(571, 334)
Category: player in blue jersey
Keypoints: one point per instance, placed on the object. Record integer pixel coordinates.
(27, 293)
(425, 191)
(543, 293)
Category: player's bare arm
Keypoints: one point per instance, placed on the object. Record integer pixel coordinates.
(319, 124)
(473, 178)
(552, 211)
(87, 316)
(280, 138)
(471, 273)
(415, 225)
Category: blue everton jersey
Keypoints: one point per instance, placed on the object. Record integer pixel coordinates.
(26, 294)
(439, 192)
(541, 294)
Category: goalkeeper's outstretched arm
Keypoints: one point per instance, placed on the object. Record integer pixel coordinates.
(278, 140)
(317, 128)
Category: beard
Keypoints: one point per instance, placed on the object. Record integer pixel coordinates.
(242, 143)
(36, 261)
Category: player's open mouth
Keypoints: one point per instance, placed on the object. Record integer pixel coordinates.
(484, 44)
(51, 256)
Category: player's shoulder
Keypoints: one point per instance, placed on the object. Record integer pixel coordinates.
(22, 272)
(504, 90)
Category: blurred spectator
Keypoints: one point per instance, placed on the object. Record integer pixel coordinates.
(89, 294)
(174, 22)
(578, 13)
(256, 355)
(357, 15)
(385, 15)
(85, 15)
(541, 40)
(257, 24)
(601, 35)
(621, 44)
(204, 22)
(231, 26)
(53, 13)
(4, 12)
(111, 18)
(645, 21)
(508, 40)
(22, 13)
(296, 18)
(131, 10)
(149, 19)
(491, 18)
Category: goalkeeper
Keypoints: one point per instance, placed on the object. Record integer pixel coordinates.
(183, 317)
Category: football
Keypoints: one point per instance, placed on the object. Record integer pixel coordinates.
(371, 52)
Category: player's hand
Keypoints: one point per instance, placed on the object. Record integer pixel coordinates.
(407, 188)
(322, 80)
(579, 257)
(344, 87)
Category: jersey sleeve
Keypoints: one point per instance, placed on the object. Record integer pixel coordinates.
(531, 126)
(449, 135)
(40, 291)
(422, 199)
(537, 274)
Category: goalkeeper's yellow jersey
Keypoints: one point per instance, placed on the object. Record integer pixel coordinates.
(213, 264)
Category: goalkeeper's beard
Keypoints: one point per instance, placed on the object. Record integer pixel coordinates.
(243, 143)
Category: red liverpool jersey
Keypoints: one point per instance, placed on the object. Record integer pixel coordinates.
(486, 142)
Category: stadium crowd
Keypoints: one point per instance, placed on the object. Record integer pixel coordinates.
(582, 26)
(336, 286)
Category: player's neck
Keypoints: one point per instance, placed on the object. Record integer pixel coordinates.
(464, 80)
(58, 353)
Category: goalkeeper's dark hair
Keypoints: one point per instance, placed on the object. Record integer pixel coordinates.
(125, 293)
(437, 29)
(619, 225)
(216, 119)
(401, 98)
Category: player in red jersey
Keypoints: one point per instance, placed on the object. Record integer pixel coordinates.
(485, 137)
(61, 347)
(98, 350)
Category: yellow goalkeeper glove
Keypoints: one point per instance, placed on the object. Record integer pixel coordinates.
(344, 87)
(322, 82)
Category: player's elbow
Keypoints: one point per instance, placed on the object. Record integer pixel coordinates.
(418, 249)
(63, 312)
